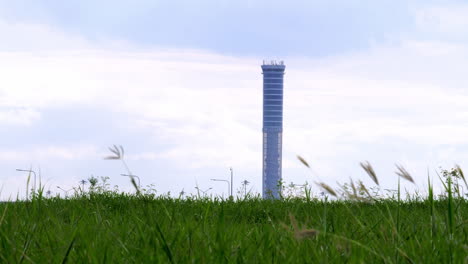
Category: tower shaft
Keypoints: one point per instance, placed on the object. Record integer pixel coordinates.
(273, 74)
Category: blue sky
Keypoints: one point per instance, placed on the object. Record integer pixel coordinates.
(178, 84)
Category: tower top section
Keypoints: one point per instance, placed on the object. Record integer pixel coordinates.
(273, 63)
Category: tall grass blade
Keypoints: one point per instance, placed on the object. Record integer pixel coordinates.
(462, 175)
(166, 248)
(450, 206)
(27, 185)
(431, 208)
(405, 256)
(450, 218)
(70, 246)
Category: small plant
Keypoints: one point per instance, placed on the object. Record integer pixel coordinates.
(454, 176)
(93, 181)
(149, 189)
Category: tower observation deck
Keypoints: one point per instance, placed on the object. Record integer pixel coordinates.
(273, 73)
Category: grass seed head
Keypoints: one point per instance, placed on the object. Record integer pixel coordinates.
(301, 159)
(118, 153)
(402, 172)
(327, 188)
(305, 233)
(370, 171)
(301, 233)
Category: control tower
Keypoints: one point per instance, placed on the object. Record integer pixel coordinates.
(273, 73)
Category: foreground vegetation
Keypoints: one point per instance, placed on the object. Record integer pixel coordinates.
(122, 228)
(357, 225)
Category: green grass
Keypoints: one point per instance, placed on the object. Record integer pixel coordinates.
(120, 228)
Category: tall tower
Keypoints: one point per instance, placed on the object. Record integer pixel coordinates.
(273, 73)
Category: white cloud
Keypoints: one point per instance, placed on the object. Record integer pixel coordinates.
(19, 116)
(52, 153)
(36, 37)
(445, 19)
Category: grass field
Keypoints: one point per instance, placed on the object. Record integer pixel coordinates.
(108, 227)
(357, 225)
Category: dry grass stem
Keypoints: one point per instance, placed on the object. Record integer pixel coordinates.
(354, 188)
(345, 191)
(301, 234)
(305, 233)
(370, 171)
(356, 192)
(402, 172)
(327, 188)
(301, 159)
(363, 187)
(293, 222)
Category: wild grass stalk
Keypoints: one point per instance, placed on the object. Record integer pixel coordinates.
(450, 218)
(119, 155)
(431, 208)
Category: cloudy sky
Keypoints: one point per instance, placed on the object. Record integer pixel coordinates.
(178, 85)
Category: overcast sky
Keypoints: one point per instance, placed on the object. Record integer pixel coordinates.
(179, 85)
